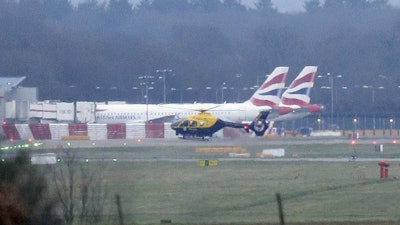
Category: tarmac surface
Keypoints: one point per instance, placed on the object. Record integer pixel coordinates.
(56, 147)
(51, 144)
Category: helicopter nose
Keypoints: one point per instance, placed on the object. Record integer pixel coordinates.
(174, 124)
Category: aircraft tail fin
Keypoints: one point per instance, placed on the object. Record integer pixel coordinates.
(298, 93)
(269, 93)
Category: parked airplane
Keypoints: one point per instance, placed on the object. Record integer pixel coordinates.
(265, 97)
(295, 101)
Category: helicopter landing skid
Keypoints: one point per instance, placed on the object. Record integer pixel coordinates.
(197, 138)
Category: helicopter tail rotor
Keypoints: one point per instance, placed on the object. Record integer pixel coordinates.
(259, 124)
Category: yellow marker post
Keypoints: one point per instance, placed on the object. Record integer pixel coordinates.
(206, 162)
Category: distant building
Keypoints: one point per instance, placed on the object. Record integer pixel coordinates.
(15, 99)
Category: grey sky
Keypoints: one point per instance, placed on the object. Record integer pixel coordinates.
(282, 5)
(297, 5)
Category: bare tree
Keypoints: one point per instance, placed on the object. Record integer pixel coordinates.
(64, 178)
(79, 188)
(92, 194)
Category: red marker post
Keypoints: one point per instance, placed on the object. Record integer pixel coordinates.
(384, 169)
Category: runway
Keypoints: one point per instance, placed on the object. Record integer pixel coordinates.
(178, 150)
(147, 142)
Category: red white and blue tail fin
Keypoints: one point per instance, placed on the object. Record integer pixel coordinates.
(298, 92)
(270, 92)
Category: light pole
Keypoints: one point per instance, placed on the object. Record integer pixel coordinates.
(173, 93)
(391, 121)
(319, 124)
(331, 86)
(223, 87)
(373, 104)
(137, 89)
(238, 83)
(189, 91)
(209, 93)
(355, 121)
(163, 71)
(145, 82)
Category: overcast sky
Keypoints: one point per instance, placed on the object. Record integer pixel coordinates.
(282, 5)
(297, 5)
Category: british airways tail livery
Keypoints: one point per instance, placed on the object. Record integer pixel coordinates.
(295, 101)
(298, 92)
(269, 93)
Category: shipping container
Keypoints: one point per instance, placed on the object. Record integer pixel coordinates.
(85, 112)
(49, 110)
(65, 111)
(36, 110)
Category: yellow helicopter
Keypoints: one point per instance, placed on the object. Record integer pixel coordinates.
(204, 124)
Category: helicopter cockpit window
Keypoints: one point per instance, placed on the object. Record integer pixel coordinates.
(185, 123)
(192, 123)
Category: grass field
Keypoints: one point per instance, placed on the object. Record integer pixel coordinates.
(244, 192)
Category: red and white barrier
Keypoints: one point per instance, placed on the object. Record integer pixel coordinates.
(46, 131)
(56, 131)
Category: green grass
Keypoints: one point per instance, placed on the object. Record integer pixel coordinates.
(243, 192)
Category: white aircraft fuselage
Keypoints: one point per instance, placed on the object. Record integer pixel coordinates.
(132, 113)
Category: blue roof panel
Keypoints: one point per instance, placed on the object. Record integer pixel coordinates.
(10, 82)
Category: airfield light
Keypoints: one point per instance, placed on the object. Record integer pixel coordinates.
(374, 142)
(139, 140)
(391, 121)
(12, 139)
(394, 142)
(353, 142)
(319, 123)
(37, 144)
